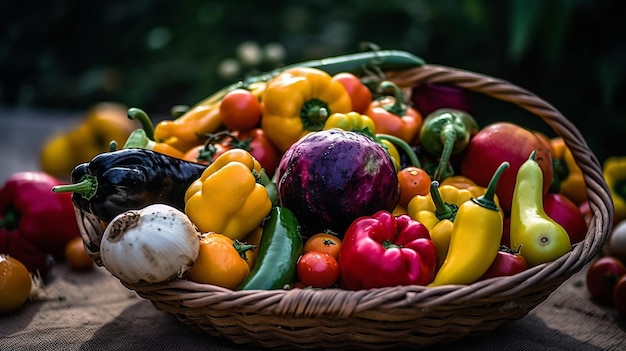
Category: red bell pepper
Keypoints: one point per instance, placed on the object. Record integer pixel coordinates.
(42, 218)
(386, 250)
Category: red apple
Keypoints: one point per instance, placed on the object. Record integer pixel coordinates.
(499, 142)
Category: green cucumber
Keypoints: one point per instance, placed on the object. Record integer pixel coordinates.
(280, 247)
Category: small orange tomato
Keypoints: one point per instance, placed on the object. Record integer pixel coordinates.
(324, 242)
(15, 284)
(412, 181)
(77, 257)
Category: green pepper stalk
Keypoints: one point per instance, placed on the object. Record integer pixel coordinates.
(401, 144)
(140, 138)
(443, 210)
(446, 132)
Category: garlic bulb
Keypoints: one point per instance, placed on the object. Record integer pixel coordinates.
(150, 245)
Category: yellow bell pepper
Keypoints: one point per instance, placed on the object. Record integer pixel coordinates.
(298, 101)
(570, 176)
(102, 123)
(614, 170)
(228, 197)
(437, 212)
(221, 261)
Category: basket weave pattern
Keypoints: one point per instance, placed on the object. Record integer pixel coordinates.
(405, 315)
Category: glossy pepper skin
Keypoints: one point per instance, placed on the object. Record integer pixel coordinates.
(33, 212)
(228, 197)
(125, 179)
(384, 250)
(570, 179)
(221, 261)
(437, 211)
(444, 133)
(614, 170)
(393, 116)
(475, 238)
(298, 101)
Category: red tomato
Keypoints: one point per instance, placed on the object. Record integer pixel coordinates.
(324, 242)
(206, 154)
(261, 147)
(240, 110)
(619, 296)
(602, 277)
(412, 181)
(507, 262)
(317, 269)
(360, 95)
(565, 212)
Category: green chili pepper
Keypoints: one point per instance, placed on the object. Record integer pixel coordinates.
(280, 247)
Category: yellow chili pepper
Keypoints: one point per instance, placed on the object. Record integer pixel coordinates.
(475, 240)
(437, 212)
(228, 197)
(614, 169)
(571, 182)
(102, 123)
(221, 261)
(298, 101)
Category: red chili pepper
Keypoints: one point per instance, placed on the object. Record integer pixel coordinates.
(41, 217)
(386, 250)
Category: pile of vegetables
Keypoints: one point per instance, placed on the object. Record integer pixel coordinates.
(324, 174)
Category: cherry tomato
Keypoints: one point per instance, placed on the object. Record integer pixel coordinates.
(602, 277)
(317, 269)
(412, 181)
(15, 284)
(261, 147)
(619, 296)
(324, 242)
(360, 95)
(507, 262)
(240, 110)
(77, 257)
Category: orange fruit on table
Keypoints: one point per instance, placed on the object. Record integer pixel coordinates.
(77, 257)
(15, 284)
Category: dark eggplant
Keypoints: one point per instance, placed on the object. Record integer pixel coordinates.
(130, 179)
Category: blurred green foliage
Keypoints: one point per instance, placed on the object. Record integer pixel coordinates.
(155, 54)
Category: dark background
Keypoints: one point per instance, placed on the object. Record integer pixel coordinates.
(155, 54)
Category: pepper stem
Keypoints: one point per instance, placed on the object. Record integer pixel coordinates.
(314, 114)
(87, 187)
(146, 124)
(487, 200)
(442, 209)
(448, 134)
(242, 248)
(404, 146)
(398, 107)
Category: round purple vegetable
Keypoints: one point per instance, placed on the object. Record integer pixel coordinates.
(331, 177)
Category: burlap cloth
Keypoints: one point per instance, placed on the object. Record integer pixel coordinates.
(93, 311)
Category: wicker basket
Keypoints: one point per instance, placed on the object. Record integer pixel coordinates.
(398, 316)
